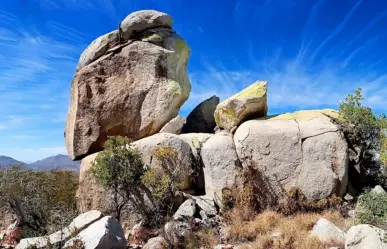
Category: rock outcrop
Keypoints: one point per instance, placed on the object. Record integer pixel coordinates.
(132, 90)
(304, 150)
(201, 119)
(247, 104)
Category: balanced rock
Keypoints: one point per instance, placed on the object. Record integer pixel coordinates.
(132, 91)
(201, 119)
(304, 150)
(222, 167)
(247, 104)
(142, 20)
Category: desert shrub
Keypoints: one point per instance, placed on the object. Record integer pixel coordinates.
(372, 208)
(42, 201)
(367, 131)
(119, 168)
(205, 238)
(168, 175)
(295, 201)
(292, 231)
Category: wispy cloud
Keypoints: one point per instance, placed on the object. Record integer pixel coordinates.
(337, 30)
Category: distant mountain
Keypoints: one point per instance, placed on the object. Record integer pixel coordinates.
(6, 161)
(61, 162)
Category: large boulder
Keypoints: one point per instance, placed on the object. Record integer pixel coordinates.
(133, 90)
(247, 104)
(91, 195)
(365, 237)
(98, 48)
(201, 119)
(142, 20)
(222, 167)
(304, 150)
(106, 233)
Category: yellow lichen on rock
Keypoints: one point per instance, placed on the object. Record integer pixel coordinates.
(249, 103)
(304, 115)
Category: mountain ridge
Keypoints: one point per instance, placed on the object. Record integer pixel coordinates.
(60, 162)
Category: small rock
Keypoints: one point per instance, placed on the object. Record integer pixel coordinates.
(156, 243)
(348, 197)
(175, 231)
(206, 204)
(378, 190)
(328, 232)
(221, 246)
(187, 209)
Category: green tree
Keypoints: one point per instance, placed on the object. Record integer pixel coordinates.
(119, 168)
(369, 132)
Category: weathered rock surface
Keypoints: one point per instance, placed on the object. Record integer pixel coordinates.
(156, 243)
(201, 119)
(132, 91)
(327, 232)
(98, 48)
(186, 210)
(221, 165)
(303, 150)
(105, 233)
(142, 20)
(58, 238)
(174, 126)
(365, 237)
(247, 104)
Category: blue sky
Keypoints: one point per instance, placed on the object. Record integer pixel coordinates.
(312, 53)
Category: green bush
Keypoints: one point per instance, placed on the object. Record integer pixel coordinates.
(372, 209)
(368, 132)
(42, 201)
(119, 168)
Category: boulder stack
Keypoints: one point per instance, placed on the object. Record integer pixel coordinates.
(129, 82)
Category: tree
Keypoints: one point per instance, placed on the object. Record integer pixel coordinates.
(368, 133)
(119, 168)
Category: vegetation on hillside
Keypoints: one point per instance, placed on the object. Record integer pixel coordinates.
(41, 201)
(372, 209)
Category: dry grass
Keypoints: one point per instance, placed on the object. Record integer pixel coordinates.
(293, 231)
